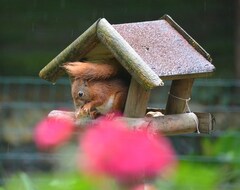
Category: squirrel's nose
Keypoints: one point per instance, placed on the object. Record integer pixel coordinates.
(80, 94)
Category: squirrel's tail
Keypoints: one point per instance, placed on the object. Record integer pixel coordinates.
(91, 71)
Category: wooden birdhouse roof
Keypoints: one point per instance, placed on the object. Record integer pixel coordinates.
(168, 50)
(147, 50)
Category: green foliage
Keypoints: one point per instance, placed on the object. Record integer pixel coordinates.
(188, 177)
(226, 147)
(221, 170)
(192, 176)
(225, 150)
(59, 181)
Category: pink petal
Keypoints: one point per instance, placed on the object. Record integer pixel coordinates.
(109, 147)
(52, 132)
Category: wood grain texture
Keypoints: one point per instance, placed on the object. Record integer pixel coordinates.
(137, 100)
(168, 125)
(181, 89)
(126, 55)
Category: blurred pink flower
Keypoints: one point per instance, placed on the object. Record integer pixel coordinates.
(52, 132)
(109, 147)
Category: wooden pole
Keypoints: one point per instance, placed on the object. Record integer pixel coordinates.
(179, 95)
(169, 124)
(125, 54)
(137, 99)
(74, 52)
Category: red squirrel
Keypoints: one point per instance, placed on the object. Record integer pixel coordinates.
(97, 88)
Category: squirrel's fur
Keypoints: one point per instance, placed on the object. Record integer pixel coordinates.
(91, 71)
(97, 88)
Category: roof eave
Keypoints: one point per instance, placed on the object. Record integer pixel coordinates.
(187, 76)
(75, 51)
(103, 31)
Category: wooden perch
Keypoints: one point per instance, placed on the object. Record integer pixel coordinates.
(74, 52)
(127, 56)
(168, 124)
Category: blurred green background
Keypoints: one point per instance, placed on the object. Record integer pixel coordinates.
(34, 32)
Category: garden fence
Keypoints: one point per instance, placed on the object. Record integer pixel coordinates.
(24, 101)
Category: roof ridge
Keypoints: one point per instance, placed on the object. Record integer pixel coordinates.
(187, 37)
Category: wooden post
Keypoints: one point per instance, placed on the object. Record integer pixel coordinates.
(137, 100)
(179, 94)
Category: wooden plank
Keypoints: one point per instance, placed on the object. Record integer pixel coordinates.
(75, 51)
(127, 56)
(179, 95)
(137, 100)
(167, 125)
(98, 53)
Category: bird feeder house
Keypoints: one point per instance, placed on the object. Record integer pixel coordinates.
(151, 52)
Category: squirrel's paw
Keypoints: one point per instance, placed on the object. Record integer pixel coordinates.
(80, 113)
(86, 108)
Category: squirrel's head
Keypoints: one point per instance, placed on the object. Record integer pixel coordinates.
(80, 92)
(81, 88)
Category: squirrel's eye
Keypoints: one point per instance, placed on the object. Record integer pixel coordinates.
(80, 94)
(85, 83)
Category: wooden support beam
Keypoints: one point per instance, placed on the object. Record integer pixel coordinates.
(180, 92)
(137, 99)
(127, 56)
(168, 124)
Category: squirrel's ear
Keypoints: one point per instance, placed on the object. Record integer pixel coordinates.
(72, 68)
(68, 68)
